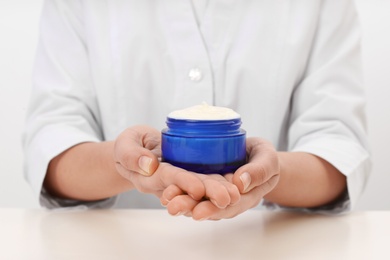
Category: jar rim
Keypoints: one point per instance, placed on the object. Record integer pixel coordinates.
(203, 120)
(203, 128)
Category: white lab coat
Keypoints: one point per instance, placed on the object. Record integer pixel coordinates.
(292, 70)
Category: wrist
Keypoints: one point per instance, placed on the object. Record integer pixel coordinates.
(306, 181)
(85, 172)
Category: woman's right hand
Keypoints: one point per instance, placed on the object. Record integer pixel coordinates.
(137, 151)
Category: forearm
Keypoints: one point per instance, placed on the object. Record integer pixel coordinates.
(85, 172)
(306, 181)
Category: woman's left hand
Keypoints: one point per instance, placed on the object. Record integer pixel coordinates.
(254, 180)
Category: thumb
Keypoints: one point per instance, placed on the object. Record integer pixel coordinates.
(137, 149)
(263, 164)
(147, 164)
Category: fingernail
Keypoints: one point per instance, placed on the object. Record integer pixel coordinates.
(202, 219)
(216, 204)
(246, 180)
(178, 214)
(164, 202)
(144, 163)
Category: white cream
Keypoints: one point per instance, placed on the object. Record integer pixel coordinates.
(204, 112)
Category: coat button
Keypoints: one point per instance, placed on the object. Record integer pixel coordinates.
(195, 75)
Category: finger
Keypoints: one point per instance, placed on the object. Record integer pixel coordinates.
(216, 189)
(226, 182)
(188, 182)
(169, 193)
(262, 165)
(232, 189)
(138, 149)
(220, 190)
(181, 205)
(205, 210)
(217, 193)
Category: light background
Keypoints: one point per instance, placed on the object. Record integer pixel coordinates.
(18, 37)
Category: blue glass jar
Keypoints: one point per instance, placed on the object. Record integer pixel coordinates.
(204, 146)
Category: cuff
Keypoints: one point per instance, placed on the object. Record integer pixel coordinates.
(50, 202)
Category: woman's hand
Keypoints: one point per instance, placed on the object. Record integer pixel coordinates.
(137, 151)
(254, 180)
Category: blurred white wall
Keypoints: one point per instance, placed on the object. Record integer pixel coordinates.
(18, 37)
(375, 21)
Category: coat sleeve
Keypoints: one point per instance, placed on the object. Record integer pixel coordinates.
(328, 105)
(63, 109)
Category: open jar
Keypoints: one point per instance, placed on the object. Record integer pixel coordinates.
(206, 143)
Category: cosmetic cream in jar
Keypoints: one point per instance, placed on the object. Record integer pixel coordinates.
(204, 139)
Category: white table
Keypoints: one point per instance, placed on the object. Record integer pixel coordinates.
(153, 234)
